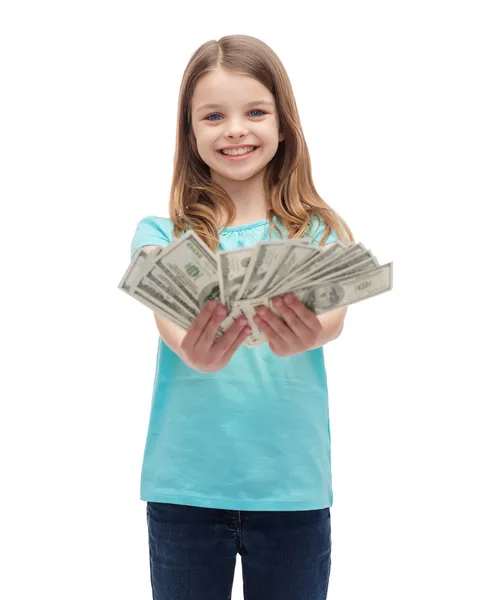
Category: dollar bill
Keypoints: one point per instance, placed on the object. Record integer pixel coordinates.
(137, 284)
(294, 255)
(193, 267)
(144, 273)
(264, 254)
(140, 261)
(248, 309)
(331, 295)
(232, 266)
(300, 270)
(335, 258)
(162, 302)
(351, 265)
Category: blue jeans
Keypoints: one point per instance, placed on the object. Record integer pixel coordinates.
(193, 550)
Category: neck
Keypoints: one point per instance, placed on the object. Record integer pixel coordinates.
(249, 199)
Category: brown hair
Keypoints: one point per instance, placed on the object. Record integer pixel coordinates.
(288, 182)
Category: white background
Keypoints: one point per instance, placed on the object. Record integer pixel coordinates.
(388, 99)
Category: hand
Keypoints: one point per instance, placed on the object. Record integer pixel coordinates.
(200, 348)
(301, 330)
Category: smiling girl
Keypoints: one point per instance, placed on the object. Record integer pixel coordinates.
(238, 458)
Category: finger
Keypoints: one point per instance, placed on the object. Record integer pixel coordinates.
(198, 326)
(281, 329)
(272, 336)
(208, 336)
(245, 331)
(308, 317)
(302, 330)
(223, 344)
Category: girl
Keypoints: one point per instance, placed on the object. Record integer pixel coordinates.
(237, 456)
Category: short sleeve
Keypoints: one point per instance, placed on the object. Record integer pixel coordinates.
(317, 230)
(151, 231)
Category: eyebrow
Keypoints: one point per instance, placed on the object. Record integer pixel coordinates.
(212, 105)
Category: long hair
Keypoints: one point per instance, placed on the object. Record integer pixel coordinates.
(288, 183)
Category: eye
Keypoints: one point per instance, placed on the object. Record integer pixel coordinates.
(208, 118)
(253, 110)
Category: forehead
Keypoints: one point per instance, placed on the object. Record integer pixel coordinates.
(228, 89)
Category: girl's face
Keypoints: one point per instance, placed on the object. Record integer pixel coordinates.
(244, 114)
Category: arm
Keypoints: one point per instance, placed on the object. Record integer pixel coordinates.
(332, 323)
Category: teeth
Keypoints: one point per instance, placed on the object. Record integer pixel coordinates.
(237, 152)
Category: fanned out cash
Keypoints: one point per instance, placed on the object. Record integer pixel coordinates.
(177, 280)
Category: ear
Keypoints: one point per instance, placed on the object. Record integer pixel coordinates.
(281, 137)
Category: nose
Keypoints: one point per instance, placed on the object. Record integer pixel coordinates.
(236, 128)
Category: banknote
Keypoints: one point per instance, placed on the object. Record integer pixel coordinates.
(232, 268)
(193, 267)
(296, 257)
(266, 261)
(161, 294)
(248, 309)
(335, 253)
(350, 265)
(330, 295)
(163, 303)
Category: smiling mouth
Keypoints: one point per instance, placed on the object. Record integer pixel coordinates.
(238, 155)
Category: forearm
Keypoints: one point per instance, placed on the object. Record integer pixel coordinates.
(171, 334)
(332, 325)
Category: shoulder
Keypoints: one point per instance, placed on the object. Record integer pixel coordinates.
(152, 231)
(153, 223)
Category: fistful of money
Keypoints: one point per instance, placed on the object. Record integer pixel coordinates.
(177, 280)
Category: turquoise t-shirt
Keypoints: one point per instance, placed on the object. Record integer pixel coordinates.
(253, 436)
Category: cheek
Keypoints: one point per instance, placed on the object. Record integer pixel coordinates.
(207, 140)
(268, 129)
